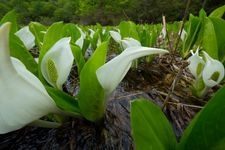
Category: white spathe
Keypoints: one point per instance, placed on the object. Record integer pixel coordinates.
(212, 66)
(92, 32)
(57, 63)
(119, 66)
(130, 42)
(80, 41)
(26, 37)
(183, 34)
(163, 33)
(116, 36)
(125, 42)
(23, 97)
(195, 61)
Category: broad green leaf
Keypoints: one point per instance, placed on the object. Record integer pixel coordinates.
(91, 97)
(38, 31)
(18, 50)
(209, 41)
(79, 58)
(206, 131)
(150, 128)
(202, 14)
(104, 35)
(85, 45)
(64, 101)
(194, 26)
(153, 37)
(72, 31)
(219, 28)
(128, 29)
(218, 12)
(11, 17)
(94, 40)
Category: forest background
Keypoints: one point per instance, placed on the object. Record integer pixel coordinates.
(105, 12)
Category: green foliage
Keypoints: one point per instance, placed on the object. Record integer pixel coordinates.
(91, 97)
(209, 42)
(219, 32)
(18, 50)
(150, 128)
(11, 17)
(64, 101)
(194, 26)
(148, 34)
(207, 33)
(128, 29)
(38, 31)
(71, 30)
(206, 131)
(218, 12)
(79, 58)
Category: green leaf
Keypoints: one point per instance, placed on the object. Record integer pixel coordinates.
(94, 40)
(128, 29)
(202, 14)
(150, 128)
(64, 101)
(18, 50)
(219, 26)
(194, 26)
(85, 45)
(11, 17)
(37, 29)
(218, 12)
(72, 31)
(91, 97)
(206, 130)
(104, 36)
(79, 58)
(209, 41)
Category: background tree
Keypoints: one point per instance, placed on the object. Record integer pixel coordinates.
(106, 12)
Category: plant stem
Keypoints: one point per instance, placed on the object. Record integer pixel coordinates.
(45, 124)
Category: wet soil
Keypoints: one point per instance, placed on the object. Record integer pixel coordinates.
(165, 81)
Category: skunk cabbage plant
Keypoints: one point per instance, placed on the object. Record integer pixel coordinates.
(98, 79)
(26, 37)
(116, 36)
(80, 41)
(213, 72)
(208, 72)
(130, 42)
(196, 64)
(57, 63)
(125, 42)
(23, 97)
(119, 66)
